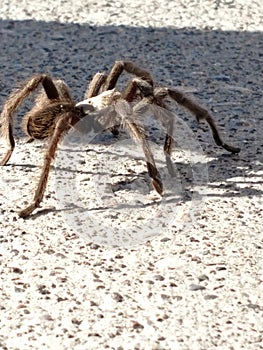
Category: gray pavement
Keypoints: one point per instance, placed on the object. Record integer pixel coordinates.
(198, 283)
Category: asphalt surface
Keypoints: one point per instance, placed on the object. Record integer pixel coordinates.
(196, 282)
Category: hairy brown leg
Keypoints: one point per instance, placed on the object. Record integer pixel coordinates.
(7, 131)
(95, 85)
(134, 85)
(200, 113)
(161, 112)
(62, 126)
(50, 88)
(137, 132)
(129, 67)
(168, 145)
(94, 89)
(13, 102)
(62, 91)
(30, 139)
(116, 71)
(147, 92)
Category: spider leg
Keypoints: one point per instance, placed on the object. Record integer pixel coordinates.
(7, 132)
(95, 85)
(63, 93)
(109, 82)
(129, 67)
(63, 125)
(134, 85)
(136, 131)
(200, 113)
(30, 139)
(129, 94)
(147, 92)
(13, 102)
(49, 87)
(166, 117)
(168, 145)
(116, 71)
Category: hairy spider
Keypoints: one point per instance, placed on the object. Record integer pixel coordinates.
(55, 113)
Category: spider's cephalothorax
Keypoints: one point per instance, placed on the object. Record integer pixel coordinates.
(55, 113)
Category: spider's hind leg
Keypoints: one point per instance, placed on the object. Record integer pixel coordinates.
(50, 88)
(200, 113)
(14, 101)
(7, 132)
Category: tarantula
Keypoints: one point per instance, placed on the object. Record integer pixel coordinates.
(55, 113)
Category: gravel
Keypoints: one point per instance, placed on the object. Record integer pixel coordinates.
(195, 282)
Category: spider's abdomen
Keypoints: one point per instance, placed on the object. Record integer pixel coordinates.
(40, 124)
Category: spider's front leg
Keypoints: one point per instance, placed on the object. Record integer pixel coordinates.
(139, 134)
(63, 125)
(129, 67)
(95, 85)
(158, 109)
(130, 122)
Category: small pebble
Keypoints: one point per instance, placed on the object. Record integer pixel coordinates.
(203, 278)
(210, 297)
(195, 287)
